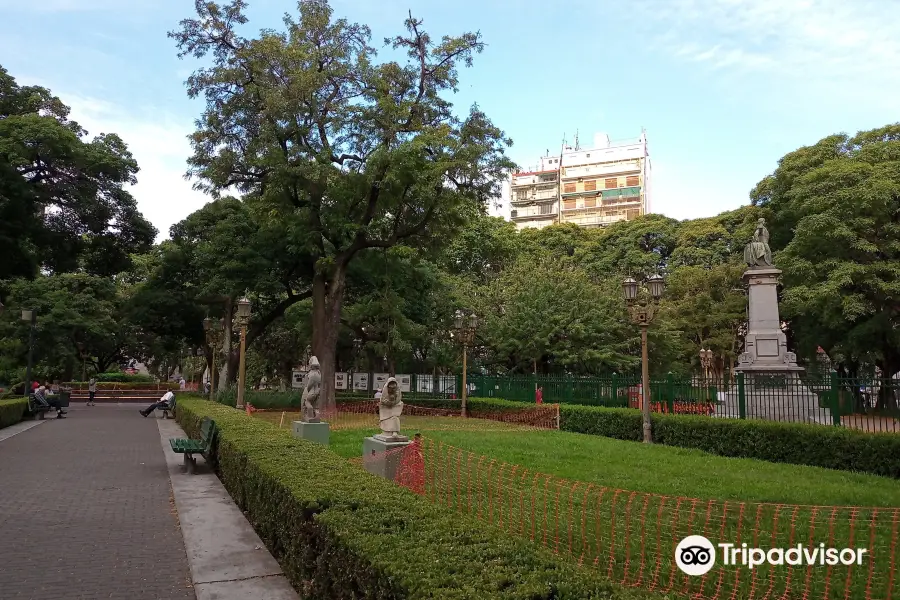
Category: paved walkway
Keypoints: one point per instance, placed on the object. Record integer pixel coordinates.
(106, 527)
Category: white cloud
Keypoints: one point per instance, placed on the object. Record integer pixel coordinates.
(833, 40)
(159, 143)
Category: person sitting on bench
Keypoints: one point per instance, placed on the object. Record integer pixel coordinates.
(165, 402)
(40, 396)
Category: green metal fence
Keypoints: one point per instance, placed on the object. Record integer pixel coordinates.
(868, 404)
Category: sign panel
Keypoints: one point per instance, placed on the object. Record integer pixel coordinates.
(424, 384)
(405, 382)
(298, 380)
(361, 382)
(380, 380)
(340, 381)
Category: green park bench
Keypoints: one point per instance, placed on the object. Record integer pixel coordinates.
(189, 447)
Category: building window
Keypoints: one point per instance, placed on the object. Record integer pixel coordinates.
(590, 202)
(546, 209)
(632, 180)
(568, 188)
(590, 185)
(522, 195)
(568, 204)
(612, 182)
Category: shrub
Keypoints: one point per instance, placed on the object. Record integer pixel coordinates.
(124, 378)
(12, 411)
(339, 532)
(112, 385)
(795, 443)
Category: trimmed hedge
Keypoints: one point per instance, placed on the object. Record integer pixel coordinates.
(826, 446)
(125, 378)
(339, 532)
(795, 443)
(110, 385)
(12, 411)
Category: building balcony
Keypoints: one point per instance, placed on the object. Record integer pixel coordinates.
(533, 212)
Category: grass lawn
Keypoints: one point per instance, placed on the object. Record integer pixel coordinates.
(634, 466)
(630, 535)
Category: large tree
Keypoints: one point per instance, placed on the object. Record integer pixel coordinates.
(354, 154)
(841, 197)
(63, 203)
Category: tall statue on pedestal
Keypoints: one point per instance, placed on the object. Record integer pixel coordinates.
(773, 385)
(311, 392)
(757, 252)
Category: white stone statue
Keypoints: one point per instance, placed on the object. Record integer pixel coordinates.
(311, 392)
(390, 407)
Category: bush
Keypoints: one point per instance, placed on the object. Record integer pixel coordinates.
(133, 385)
(124, 378)
(12, 411)
(339, 532)
(794, 443)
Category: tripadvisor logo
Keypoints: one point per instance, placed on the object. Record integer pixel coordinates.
(695, 555)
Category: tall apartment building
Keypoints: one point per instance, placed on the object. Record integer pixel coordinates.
(591, 188)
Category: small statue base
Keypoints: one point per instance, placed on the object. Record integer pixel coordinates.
(378, 458)
(390, 438)
(314, 432)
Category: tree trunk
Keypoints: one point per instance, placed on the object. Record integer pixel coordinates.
(226, 370)
(328, 297)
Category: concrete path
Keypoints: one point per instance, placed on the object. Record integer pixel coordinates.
(86, 511)
(228, 561)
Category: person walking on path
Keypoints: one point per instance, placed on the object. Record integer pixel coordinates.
(92, 391)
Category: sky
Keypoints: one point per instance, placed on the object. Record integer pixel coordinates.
(724, 88)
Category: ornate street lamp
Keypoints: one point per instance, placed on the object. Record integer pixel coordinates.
(243, 319)
(464, 332)
(31, 317)
(214, 329)
(642, 309)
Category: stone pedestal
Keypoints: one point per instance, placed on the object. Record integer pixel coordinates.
(314, 432)
(378, 458)
(773, 388)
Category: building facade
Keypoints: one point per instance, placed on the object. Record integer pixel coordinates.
(589, 187)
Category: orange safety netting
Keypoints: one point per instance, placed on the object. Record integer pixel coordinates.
(631, 536)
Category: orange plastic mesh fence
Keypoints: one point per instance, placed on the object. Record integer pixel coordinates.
(632, 536)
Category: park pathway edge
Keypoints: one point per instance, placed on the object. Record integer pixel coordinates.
(227, 559)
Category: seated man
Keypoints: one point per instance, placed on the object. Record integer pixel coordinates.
(40, 396)
(165, 402)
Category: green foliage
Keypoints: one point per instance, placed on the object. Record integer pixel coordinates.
(80, 320)
(12, 411)
(835, 209)
(136, 378)
(304, 501)
(64, 205)
(794, 443)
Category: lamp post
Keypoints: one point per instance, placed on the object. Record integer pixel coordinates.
(31, 317)
(464, 328)
(213, 329)
(243, 318)
(642, 309)
(706, 361)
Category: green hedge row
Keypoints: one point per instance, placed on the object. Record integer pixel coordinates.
(12, 411)
(111, 385)
(795, 443)
(339, 532)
